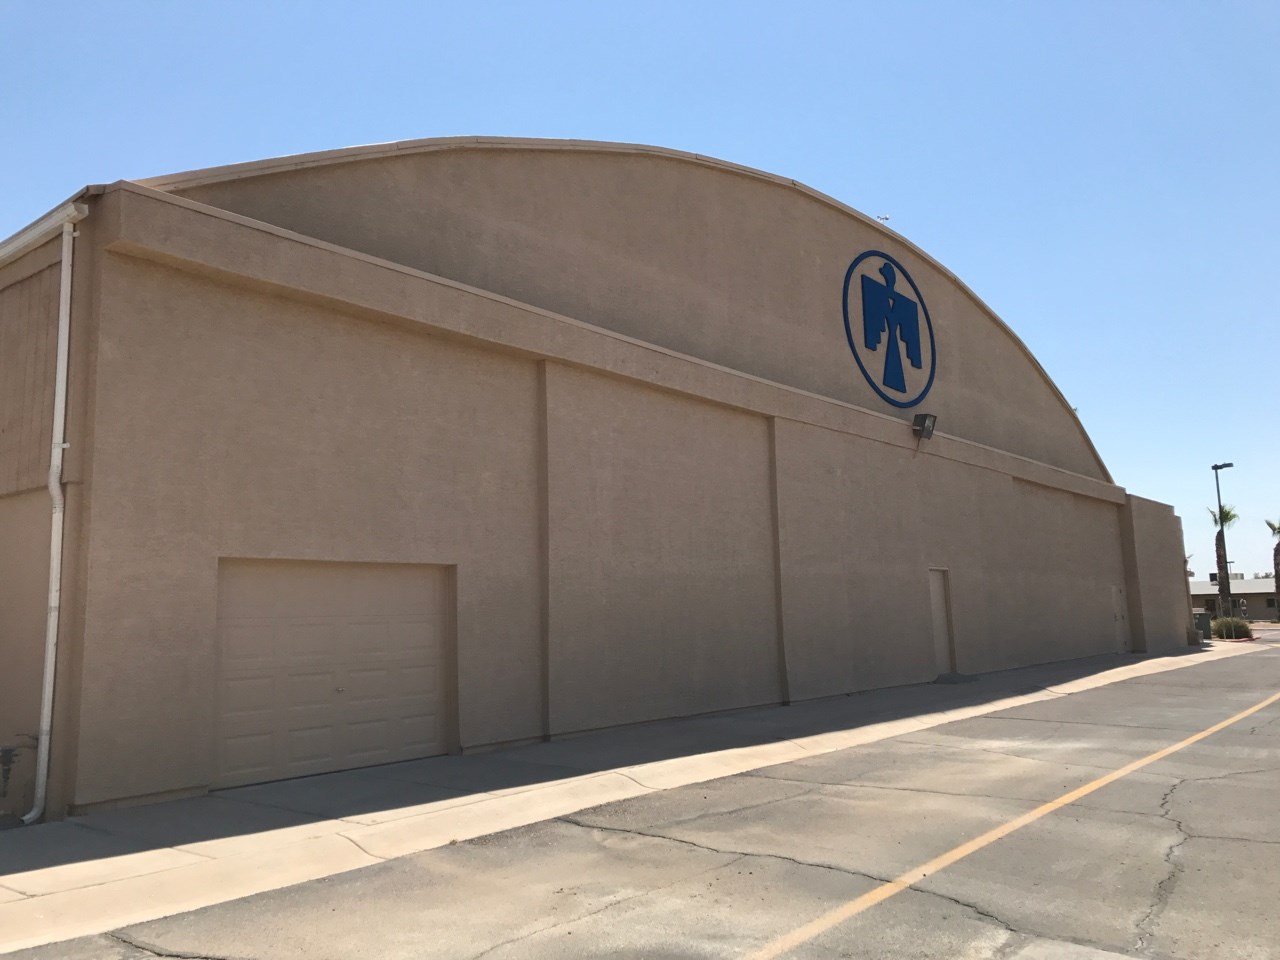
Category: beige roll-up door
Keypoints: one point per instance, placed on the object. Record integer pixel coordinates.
(328, 666)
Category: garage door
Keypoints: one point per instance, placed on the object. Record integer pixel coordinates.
(327, 666)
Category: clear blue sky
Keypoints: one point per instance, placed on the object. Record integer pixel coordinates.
(1103, 174)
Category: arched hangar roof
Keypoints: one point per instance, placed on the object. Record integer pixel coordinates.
(733, 265)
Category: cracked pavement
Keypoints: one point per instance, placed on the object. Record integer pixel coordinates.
(1177, 861)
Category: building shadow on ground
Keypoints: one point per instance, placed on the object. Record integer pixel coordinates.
(396, 791)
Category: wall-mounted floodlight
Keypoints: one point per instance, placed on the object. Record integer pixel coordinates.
(923, 424)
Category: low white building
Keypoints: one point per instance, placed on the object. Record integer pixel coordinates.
(1259, 595)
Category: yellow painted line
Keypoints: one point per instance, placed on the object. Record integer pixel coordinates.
(838, 915)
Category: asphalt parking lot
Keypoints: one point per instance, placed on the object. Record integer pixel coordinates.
(1179, 858)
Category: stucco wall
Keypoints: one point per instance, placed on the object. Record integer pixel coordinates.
(231, 423)
(661, 554)
(740, 270)
(630, 529)
(234, 424)
(1032, 569)
(1158, 578)
(24, 578)
(28, 346)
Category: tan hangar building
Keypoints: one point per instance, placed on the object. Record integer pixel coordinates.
(400, 450)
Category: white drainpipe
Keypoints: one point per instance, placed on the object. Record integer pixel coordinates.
(33, 236)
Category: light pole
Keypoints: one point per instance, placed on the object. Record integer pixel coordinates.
(1224, 586)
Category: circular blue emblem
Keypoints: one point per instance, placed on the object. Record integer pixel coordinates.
(889, 330)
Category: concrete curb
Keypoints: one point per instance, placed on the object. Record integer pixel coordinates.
(97, 895)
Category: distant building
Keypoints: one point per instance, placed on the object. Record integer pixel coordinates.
(1258, 593)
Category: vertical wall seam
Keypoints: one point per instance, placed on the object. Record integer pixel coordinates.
(784, 676)
(1132, 582)
(27, 340)
(47, 359)
(28, 465)
(544, 551)
(453, 678)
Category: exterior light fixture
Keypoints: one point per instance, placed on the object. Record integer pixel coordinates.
(923, 424)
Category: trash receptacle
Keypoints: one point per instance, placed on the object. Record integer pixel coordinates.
(1204, 622)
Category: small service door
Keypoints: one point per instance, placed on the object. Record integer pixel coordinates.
(944, 646)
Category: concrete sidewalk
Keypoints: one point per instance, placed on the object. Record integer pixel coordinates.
(106, 870)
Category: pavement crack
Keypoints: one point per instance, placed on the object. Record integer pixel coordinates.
(1218, 836)
(723, 852)
(627, 776)
(1237, 773)
(750, 806)
(880, 786)
(848, 871)
(980, 912)
(591, 913)
(984, 914)
(1164, 889)
(1082, 723)
(1265, 723)
(1013, 756)
(158, 951)
(361, 847)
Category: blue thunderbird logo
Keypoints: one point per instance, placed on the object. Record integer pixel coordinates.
(891, 326)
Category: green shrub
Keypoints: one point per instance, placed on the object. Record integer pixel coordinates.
(1231, 627)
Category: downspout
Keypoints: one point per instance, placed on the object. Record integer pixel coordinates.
(64, 219)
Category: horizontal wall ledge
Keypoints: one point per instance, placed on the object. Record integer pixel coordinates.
(141, 222)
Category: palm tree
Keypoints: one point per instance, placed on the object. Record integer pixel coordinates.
(1228, 517)
(1275, 555)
